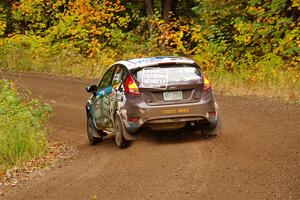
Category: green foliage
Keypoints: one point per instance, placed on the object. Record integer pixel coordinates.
(256, 41)
(88, 25)
(35, 53)
(22, 132)
(3, 18)
(178, 36)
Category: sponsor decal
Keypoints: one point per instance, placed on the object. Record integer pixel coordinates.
(154, 78)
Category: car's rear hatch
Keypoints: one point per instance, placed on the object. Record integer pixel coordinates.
(170, 84)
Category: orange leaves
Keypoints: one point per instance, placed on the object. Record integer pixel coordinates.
(15, 5)
(103, 12)
(83, 23)
(123, 8)
(95, 31)
(176, 35)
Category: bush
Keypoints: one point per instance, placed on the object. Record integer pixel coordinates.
(22, 130)
(34, 53)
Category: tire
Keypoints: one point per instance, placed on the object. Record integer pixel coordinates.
(121, 142)
(91, 132)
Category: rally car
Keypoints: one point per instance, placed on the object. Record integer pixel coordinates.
(158, 93)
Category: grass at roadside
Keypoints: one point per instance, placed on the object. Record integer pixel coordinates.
(282, 87)
(269, 82)
(22, 130)
(17, 57)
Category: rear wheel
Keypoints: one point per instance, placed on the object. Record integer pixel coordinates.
(92, 132)
(121, 142)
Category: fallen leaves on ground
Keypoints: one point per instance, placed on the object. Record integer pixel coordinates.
(58, 151)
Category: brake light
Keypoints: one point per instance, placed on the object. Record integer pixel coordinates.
(130, 86)
(133, 119)
(207, 86)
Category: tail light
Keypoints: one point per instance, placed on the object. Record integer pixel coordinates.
(133, 119)
(207, 86)
(130, 86)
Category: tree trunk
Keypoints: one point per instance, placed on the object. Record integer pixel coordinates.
(149, 4)
(167, 6)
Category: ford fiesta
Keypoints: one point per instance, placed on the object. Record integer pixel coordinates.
(160, 93)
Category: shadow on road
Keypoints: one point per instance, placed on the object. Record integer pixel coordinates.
(174, 137)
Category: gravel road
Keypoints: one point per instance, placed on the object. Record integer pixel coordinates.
(256, 157)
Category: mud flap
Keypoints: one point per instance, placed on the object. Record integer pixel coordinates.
(216, 130)
(95, 133)
(127, 135)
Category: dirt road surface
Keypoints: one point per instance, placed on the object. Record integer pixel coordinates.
(257, 157)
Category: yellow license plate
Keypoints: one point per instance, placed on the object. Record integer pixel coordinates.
(175, 111)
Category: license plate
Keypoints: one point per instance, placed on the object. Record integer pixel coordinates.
(173, 96)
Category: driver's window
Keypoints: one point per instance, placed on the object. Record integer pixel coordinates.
(118, 75)
(106, 79)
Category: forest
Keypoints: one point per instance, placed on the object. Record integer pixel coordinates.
(246, 47)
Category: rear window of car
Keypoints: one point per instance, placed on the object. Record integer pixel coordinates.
(161, 76)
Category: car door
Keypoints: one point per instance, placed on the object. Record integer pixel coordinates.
(102, 100)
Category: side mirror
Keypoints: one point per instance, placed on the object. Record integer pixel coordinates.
(92, 89)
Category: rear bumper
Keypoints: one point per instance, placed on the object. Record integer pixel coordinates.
(167, 117)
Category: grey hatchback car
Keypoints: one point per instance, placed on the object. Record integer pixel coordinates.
(159, 93)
